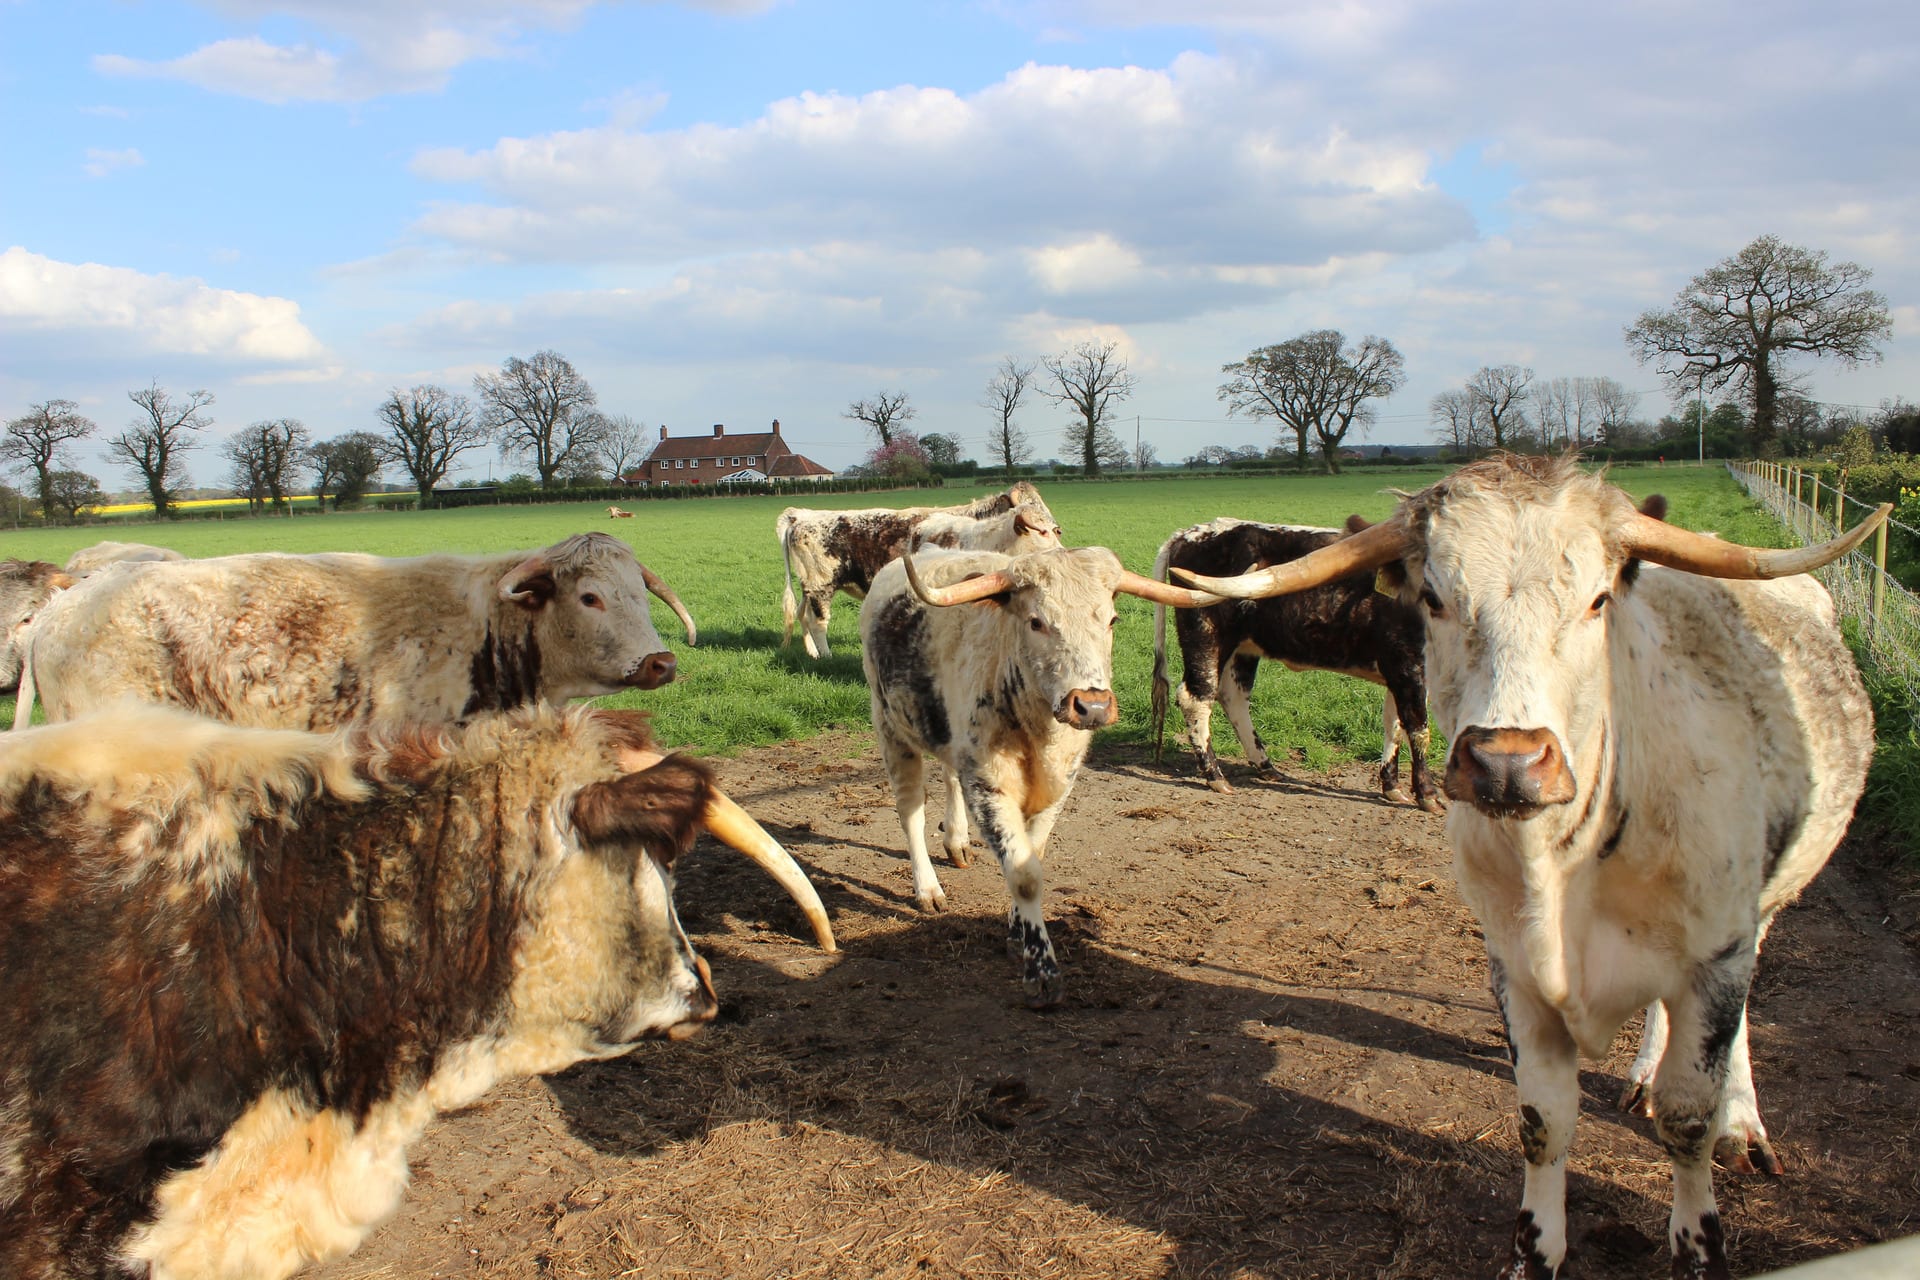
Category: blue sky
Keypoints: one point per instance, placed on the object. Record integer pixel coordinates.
(736, 210)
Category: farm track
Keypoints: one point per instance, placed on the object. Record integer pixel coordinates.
(1276, 1058)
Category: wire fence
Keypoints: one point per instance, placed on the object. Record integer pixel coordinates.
(1886, 614)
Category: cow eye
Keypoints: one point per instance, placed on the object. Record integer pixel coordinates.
(590, 600)
(1037, 622)
(1432, 601)
(1113, 622)
(1601, 601)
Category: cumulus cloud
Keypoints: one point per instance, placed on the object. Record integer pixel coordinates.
(47, 302)
(363, 49)
(101, 161)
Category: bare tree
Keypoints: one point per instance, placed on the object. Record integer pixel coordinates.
(1371, 371)
(152, 446)
(1146, 456)
(540, 410)
(1456, 422)
(1613, 410)
(346, 467)
(1091, 379)
(1500, 394)
(1735, 321)
(37, 441)
(1567, 411)
(1009, 386)
(72, 494)
(624, 444)
(883, 415)
(264, 457)
(427, 428)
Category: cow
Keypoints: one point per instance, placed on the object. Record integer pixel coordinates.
(1002, 669)
(1345, 626)
(246, 967)
(833, 551)
(1027, 527)
(25, 588)
(615, 513)
(1655, 746)
(101, 554)
(318, 641)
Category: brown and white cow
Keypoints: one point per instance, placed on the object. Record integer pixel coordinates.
(1002, 667)
(25, 588)
(615, 513)
(833, 551)
(246, 967)
(1594, 668)
(318, 641)
(1345, 626)
(101, 554)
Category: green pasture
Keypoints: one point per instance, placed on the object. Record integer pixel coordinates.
(740, 687)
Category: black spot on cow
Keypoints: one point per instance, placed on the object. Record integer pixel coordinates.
(1782, 830)
(1701, 1254)
(860, 546)
(1498, 973)
(1533, 1134)
(1684, 1136)
(1721, 984)
(504, 673)
(1525, 1261)
(899, 649)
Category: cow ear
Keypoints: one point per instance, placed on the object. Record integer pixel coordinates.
(660, 809)
(1357, 523)
(530, 583)
(60, 581)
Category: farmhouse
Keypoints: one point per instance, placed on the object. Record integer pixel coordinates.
(724, 459)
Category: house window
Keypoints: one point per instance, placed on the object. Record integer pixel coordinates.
(679, 464)
(753, 462)
(696, 464)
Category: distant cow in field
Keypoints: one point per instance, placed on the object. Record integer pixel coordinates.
(101, 554)
(1345, 626)
(25, 588)
(244, 968)
(313, 642)
(1002, 667)
(615, 513)
(1652, 754)
(833, 551)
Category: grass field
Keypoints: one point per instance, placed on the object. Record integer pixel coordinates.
(741, 688)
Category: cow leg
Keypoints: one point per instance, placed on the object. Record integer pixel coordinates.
(907, 773)
(1236, 690)
(1196, 697)
(1688, 1092)
(815, 612)
(1638, 1095)
(1407, 695)
(954, 833)
(1005, 832)
(1546, 1071)
(1390, 736)
(1743, 1145)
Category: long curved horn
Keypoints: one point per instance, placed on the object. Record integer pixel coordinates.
(968, 589)
(658, 586)
(1165, 592)
(728, 823)
(1677, 548)
(1369, 549)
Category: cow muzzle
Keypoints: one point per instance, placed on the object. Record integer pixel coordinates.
(651, 672)
(702, 1005)
(1088, 709)
(1508, 773)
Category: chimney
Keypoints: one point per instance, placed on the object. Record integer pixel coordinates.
(776, 426)
(663, 431)
(719, 429)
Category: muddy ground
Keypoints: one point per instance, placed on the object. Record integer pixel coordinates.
(1277, 1057)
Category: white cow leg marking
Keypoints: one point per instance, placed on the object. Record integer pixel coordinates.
(1546, 1071)
(1236, 685)
(1390, 736)
(1638, 1095)
(1199, 716)
(816, 610)
(1743, 1145)
(907, 773)
(1704, 1024)
(1005, 833)
(954, 832)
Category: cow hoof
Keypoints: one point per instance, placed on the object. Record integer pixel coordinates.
(1044, 993)
(1220, 785)
(1397, 795)
(959, 857)
(1748, 1154)
(933, 901)
(1637, 1099)
(1433, 804)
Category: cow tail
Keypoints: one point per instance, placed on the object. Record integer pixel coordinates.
(789, 608)
(1160, 654)
(23, 704)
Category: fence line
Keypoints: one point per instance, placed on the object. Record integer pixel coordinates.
(1887, 614)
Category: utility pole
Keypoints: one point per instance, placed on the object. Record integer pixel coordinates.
(1700, 419)
(1136, 443)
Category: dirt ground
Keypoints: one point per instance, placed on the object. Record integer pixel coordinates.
(1276, 1057)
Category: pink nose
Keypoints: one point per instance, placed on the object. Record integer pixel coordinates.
(1509, 769)
(654, 670)
(1088, 709)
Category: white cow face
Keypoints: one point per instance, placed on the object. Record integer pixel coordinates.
(1060, 617)
(1518, 597)
(591, 621)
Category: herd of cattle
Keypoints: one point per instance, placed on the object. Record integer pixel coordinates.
(312, 848)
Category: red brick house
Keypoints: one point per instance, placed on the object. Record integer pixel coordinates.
(724, 459)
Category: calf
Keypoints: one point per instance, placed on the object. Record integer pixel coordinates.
(1344, 626)
(1003, 668)
(615, 513)
(1593, 667)
(833, 551)
(314, 642)
(245, 967)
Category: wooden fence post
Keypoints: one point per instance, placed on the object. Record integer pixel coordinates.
(1879, 572)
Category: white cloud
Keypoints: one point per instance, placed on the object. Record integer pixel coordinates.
(399, 46)
(48, 302)
(101, 162)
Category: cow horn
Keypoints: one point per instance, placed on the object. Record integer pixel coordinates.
(968, 589)
(1677, 548)
(1165, 592)
(728, 823)
(657, 585)
(1369, 549)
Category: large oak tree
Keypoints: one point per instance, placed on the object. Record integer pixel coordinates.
(427, 428)
(37, 441)
(154, 444)
(542, 410)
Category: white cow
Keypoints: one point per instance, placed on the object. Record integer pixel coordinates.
(1003, 668)
(101, 554)
(314, 642)
(1654, 752)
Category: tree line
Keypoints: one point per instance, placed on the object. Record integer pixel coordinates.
(539, 409)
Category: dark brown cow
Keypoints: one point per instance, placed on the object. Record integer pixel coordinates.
(833, 551)
(245, 967)
(1345, 626)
